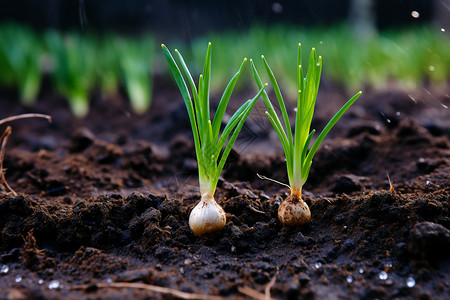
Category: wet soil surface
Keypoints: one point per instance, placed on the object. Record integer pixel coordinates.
(103, 204)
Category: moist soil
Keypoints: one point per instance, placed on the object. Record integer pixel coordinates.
(102, 203)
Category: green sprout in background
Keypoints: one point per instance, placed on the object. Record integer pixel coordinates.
(20, 59)
(207, 216)
(78, 63)
(135, 58)
(74, 68)
(107, 66)
(293, 211)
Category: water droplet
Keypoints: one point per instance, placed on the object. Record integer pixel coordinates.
(431, 68)
(318, 64)
(427, 182)
(109, 281)
(18, 278)
(277, 8)
(41, 281)
(383, 275)
(4, 269)
(54, 284)
(412, 98)
(410, 282)
(442, 29)
(345, 226)
(415, 14)
(361, 271)
(233, 249)
(397, 114)
(388, 121)
(321, 42)
(295, 109)
(318, 265)
(349, 279)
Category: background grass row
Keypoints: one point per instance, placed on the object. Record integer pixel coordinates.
(79, 63)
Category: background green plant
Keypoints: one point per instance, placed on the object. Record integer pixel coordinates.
(79, 63)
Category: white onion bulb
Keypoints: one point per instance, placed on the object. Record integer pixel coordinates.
(207, 217)
(294, 212)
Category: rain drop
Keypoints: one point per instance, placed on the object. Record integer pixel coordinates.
(54, 284)
(410, 282)
(40, 281)
(349, 279)
(442, 29)
(277, 8)
(361, 271)
(318, 64)
(412, 98)
(383, 275)
(18, 278)
(397, 114)
(431, 68)
(415, 14)
(233, 249)
(4, 269)
(318, 265)
(427, 182)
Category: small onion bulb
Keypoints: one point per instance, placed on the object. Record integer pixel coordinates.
(294, 212)
(207, 217)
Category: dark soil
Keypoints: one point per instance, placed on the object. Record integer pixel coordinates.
(106, 199)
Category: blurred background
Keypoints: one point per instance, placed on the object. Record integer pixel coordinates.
(108, 46)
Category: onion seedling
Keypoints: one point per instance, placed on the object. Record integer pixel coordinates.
(74, 68)
(208, 216)
(135, 63)
(293, 211)
(20, 55)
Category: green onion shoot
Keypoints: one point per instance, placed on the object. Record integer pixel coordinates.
(293, 211)
(136, 58)
(74, 68)
(208, 216)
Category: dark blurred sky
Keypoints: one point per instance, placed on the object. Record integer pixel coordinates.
(189, 17)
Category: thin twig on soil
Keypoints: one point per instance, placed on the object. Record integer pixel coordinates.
(25, 116)
(391, 187)
(258, 295)
(4, 139)
(3, 183)
(256, 210)
(153, 288)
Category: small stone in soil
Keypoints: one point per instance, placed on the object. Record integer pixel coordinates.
(304, 279)
(81, 139)
(348, 183)
(300, 240)
(430, 240)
